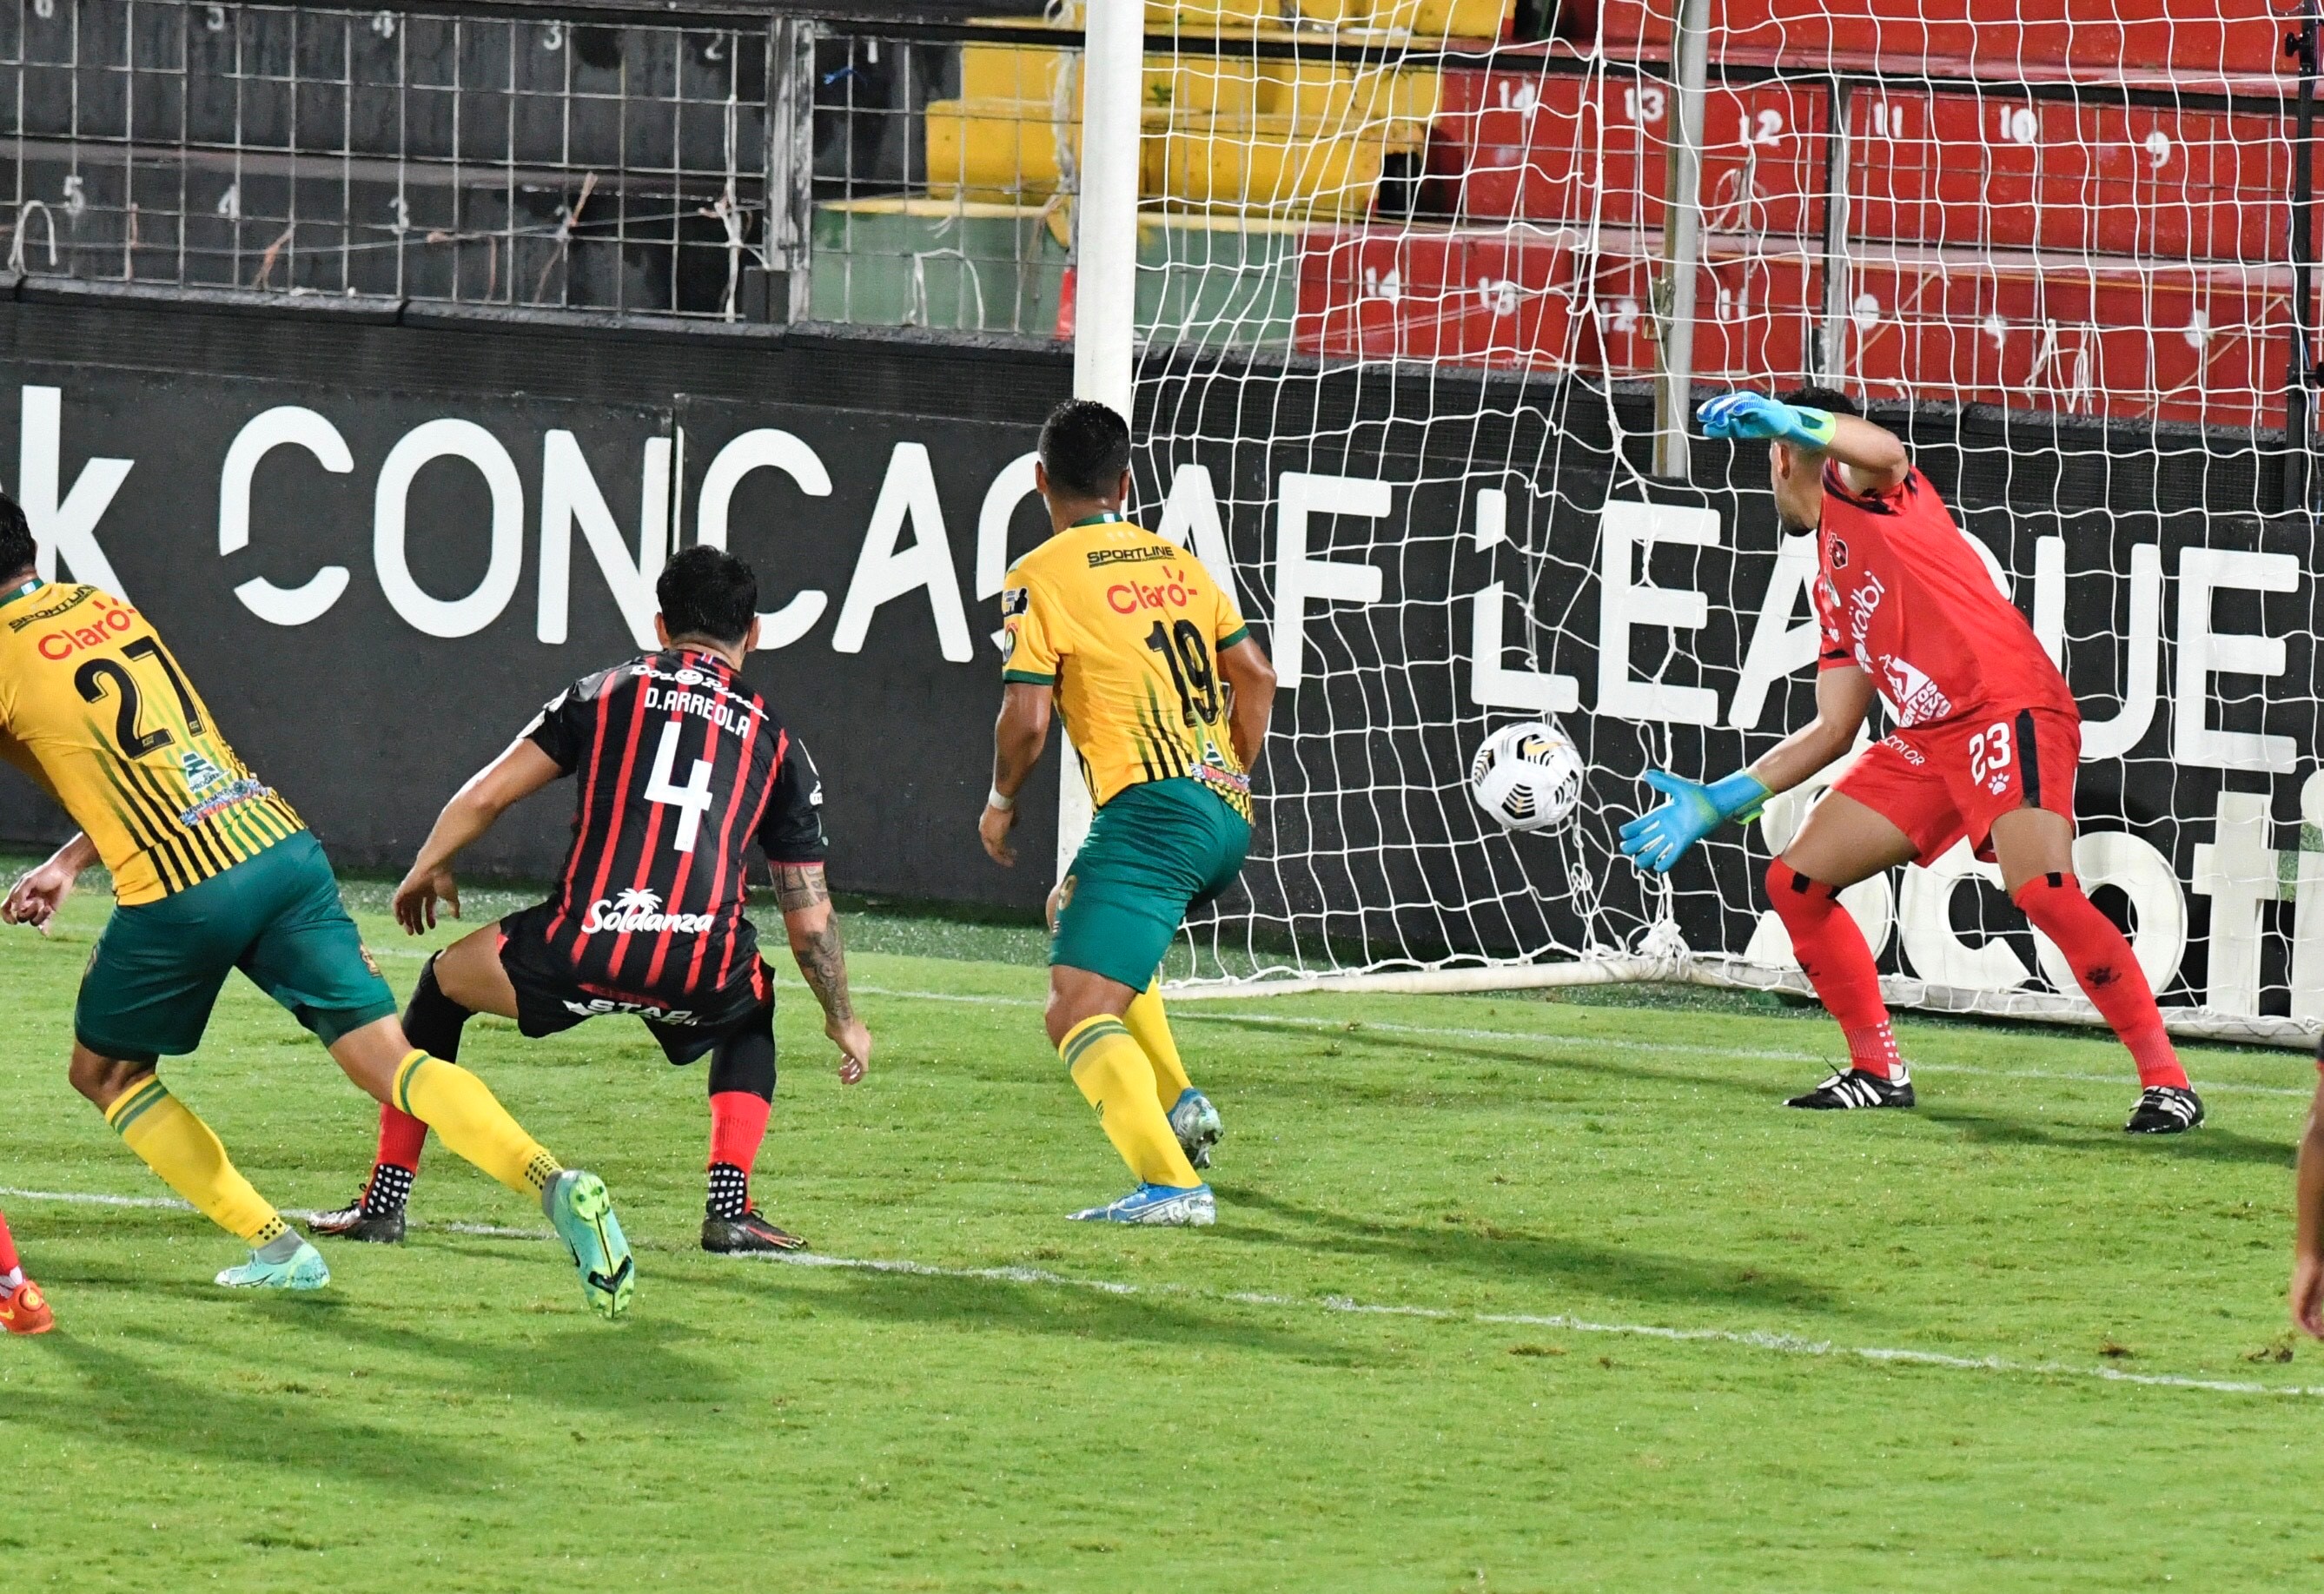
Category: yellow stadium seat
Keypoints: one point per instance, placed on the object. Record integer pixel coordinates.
(1269, 165)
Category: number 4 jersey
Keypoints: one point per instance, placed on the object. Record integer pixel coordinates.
(1128, 627)
(95, 710)
(680, 767)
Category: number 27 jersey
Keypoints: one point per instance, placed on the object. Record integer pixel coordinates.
(95, 710)
(1127, 627)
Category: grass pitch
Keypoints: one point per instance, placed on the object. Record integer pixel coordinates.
(1505, 1295)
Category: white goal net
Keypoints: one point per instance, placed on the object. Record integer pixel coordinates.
(1408, 286)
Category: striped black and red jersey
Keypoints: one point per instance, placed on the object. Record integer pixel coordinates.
(681, 767)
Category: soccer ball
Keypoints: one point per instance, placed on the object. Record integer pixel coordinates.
(1528, 777)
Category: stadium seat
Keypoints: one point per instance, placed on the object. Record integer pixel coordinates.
(2209, 38)
(1498, 298)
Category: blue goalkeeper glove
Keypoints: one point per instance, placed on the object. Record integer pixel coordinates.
(1756, 415)
(1658, 838)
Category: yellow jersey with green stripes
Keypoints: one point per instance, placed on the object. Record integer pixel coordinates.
(1126, 628)
(94, 709)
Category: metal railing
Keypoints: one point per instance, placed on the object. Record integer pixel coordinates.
(466, 159)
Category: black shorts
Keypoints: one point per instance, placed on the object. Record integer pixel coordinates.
(550, 998)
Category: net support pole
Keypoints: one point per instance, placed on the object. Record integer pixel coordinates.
(1831, 342)
(1105, 272)
(2300, 373)
(790, 165)
(1681, 236)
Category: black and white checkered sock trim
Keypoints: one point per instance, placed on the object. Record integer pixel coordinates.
(390, 1188)
(730, 1192)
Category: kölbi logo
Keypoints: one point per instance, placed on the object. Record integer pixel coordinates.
(637, 912)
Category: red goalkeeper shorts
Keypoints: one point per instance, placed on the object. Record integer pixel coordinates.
(1942, 783)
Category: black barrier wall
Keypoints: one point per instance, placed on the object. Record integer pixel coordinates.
(380, 548)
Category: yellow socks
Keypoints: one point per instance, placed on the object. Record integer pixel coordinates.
(467, 1118)
(1112, 1071)
(190, 1160)
(1151, 1029)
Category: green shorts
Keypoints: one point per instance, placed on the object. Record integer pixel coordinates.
(1154, 852)
(158, 967)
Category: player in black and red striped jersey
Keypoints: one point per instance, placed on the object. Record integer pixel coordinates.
(682, 769)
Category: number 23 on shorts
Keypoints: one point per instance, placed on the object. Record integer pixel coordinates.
(1990, 753)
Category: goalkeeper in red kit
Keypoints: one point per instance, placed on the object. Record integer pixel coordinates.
(1985, 747)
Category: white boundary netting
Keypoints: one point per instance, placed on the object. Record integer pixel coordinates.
(1404, 299)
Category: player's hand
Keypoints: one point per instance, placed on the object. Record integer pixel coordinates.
(1659, 837)
(1049, 908)
(2308, 1295)
(854, 1044)
(416, 896)
(37, 895)
(992, 828)
(1757, 416)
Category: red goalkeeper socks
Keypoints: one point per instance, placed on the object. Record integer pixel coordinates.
(1834, 957)
(2108, 972)
(10, 1263)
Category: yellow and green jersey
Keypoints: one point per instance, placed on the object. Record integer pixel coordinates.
(94, 709)
(1126, 628)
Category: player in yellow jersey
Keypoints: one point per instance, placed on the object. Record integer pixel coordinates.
(212, 872)
(1153, 673)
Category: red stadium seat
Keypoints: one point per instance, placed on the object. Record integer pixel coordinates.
(2210, 38)
(1500, 300)
(2188, 342)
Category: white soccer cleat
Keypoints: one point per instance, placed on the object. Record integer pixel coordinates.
(1196, 1124)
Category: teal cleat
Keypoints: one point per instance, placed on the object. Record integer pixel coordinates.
(577, 1204)
(1196, 1124)
(1158, 1204)
(305, 1270)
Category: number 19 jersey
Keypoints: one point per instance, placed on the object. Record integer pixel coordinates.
(1127, 627)
(95, 710)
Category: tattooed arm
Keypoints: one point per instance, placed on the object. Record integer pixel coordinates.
(804, 899)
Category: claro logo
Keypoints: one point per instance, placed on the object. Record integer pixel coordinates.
(67, 640)
(1128, 597)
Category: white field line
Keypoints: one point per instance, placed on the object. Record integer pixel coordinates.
(1358, 1027)
(1748, 1339)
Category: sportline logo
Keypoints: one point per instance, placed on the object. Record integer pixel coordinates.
(634, 913)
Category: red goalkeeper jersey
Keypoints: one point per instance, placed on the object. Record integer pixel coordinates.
(1903, 593)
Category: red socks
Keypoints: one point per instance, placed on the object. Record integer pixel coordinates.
(2109, 975)
(1833, 956)
(9, 1260)
(738, 1123)
(401, 1138)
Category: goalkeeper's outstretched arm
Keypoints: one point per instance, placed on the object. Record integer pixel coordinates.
(1844, 698)
(1690, 810)
(1872, 458)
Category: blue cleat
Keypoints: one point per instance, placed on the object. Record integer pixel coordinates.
(583, 1213)
(1162, 1204)
(305, 1270)
(1196, 1124)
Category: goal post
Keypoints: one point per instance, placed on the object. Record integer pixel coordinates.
(1105, 276)
(1405, 311)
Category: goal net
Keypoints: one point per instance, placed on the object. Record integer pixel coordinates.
(1407, 285)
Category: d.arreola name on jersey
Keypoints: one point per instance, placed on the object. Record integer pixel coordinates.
(679, 767)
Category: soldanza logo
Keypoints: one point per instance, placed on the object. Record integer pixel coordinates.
(639, 912)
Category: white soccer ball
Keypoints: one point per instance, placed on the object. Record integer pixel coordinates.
(1528, 777)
